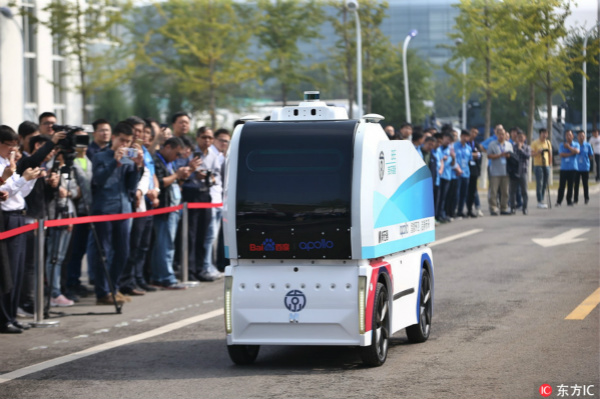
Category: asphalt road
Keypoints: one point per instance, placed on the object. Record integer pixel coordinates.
(499, 331)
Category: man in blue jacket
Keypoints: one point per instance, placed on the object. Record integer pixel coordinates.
(568, 167)
(584, 163)
(114, 182)
(464, 156)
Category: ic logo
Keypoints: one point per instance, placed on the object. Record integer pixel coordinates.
(545, 390)
(381, 165)
(294, 301)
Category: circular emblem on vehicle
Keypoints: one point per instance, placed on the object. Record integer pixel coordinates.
(381, 165)
(295, 300)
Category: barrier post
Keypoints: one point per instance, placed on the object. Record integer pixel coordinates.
(38, 306)
(185, 247)
(184, 243)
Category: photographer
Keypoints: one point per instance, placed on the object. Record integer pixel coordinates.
(116, 172)
(132, 280)
(205, 169)
(17, 188)
(41, 148)
(60, 207)
(165, 225)
(101, 137)
(82, 166)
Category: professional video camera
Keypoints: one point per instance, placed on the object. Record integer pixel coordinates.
(72, 141)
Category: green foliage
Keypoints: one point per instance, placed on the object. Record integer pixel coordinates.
(479, 27)
(575, 51)
(87, 35)
(111, 105)
(207, 42)
(376, 54)
(341, 64)
(145, 102)
(375, 47)
(282, 25)
(512, 45)
(388, 92)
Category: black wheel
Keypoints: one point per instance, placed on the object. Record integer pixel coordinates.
(243, 354)
(376, 353)
(420, 332)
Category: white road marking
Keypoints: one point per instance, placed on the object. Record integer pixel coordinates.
(106, 346)
(567, 237)
(455, 237)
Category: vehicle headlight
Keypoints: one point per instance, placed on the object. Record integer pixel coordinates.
(362, 295)
(228, 288)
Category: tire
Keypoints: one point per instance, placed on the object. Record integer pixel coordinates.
(243, 354)
(420, 332)
(375, 354)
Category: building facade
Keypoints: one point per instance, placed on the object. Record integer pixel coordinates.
(32, 70)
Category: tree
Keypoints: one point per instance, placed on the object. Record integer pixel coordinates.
(479, 27)
(204, 45)
(86, 34)
(145, 101)
(575, 51)
(554, 69)
(282, 25)
(375, 46)
(388, 92)
(375, 49)
(110, 104)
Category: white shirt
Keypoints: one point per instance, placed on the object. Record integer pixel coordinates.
(216, 190)
(144, 186)
(595, 143)
(17, 187)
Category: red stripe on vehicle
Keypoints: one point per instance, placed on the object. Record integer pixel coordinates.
(376, 266)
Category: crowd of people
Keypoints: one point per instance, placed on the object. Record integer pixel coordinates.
(455, 161)
(139, 164)
(48, 171)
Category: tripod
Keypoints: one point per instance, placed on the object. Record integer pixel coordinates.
(69, 157)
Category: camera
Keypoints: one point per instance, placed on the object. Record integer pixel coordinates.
(71, 141)
(130, 153)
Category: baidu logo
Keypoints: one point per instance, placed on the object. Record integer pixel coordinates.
(269, 245)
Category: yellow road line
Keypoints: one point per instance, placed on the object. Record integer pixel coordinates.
(585, 307)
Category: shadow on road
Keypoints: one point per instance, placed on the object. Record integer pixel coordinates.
(194, 359)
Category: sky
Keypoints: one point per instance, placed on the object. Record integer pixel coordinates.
(585, 14)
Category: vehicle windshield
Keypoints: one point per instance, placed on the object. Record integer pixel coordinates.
(294, 182)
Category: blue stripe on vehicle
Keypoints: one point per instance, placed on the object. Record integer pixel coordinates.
(387, 248)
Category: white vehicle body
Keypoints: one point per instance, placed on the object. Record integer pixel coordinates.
(322, 213)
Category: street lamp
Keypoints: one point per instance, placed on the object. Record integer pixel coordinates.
(464, 90)
(8, 14)
(584, 82)
(410, 35)
(352, 5)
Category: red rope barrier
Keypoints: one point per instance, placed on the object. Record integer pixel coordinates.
(105, 218)
(19, 230)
